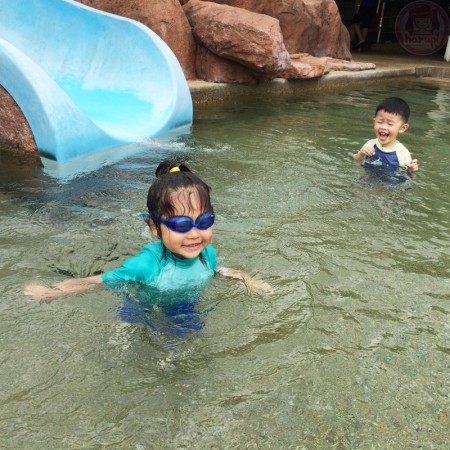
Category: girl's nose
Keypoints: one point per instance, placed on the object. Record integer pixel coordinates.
(193, 233)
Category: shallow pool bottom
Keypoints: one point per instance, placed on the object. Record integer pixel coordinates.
(351, 350)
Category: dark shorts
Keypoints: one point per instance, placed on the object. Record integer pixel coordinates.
(364, 17)
(173, 320)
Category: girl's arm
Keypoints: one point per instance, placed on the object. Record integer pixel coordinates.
(74, 286)
(252, 284)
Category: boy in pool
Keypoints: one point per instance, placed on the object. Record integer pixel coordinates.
(181, 216)
(391, 119)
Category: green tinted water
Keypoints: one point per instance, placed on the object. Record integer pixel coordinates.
(351, 350)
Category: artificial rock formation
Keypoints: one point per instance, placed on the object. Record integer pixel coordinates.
(215, 69)
(308, 26)
(15, 133)
(253, 40)
(303, 65)
(236, 41)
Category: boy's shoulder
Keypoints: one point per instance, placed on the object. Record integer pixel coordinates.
(403, 154)
(400, 146)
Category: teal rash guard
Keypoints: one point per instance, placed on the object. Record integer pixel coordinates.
(163, 270)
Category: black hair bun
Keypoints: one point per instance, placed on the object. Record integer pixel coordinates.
(169, 165)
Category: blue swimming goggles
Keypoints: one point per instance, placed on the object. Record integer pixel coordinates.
(183, 224)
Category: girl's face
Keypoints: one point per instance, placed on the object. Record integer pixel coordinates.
(184, 245)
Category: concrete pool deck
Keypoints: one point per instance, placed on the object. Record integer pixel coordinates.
(388, 66)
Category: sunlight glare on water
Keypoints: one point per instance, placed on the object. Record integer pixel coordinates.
(350, 351)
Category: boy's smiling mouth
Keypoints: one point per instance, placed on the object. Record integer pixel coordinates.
(383, 136)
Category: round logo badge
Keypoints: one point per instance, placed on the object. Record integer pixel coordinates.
(422, 27)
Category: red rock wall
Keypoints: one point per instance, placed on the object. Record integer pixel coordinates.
(15, 133)
(308, 26)
(165, 18)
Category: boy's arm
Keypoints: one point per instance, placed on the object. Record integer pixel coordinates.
(73, 286)
(252, 284)
(413, 165)
(366, 150)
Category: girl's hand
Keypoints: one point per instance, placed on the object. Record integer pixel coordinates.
(252, 284)
(256, 286)
(413, 165)
(40, 293)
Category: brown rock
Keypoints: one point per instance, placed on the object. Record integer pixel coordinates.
(253, 40)
(215, 69)
(324, 33)
(308, 26)
(165, 18)
(304, 65)
(15, 132)
(339, 64)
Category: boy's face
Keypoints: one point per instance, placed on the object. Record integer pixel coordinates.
(387, 126)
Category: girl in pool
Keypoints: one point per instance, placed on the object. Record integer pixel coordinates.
(181, 215)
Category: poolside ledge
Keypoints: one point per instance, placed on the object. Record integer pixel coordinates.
(389, 66)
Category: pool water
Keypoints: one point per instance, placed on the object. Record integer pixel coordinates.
(350, 351)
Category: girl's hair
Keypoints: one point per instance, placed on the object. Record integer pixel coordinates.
(175, 179)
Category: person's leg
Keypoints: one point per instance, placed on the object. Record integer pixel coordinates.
(364, 32)
(361, 34)
(358, 32)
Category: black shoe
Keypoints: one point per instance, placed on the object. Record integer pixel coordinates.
(358, 45)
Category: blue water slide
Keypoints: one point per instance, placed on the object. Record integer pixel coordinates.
(87, 80)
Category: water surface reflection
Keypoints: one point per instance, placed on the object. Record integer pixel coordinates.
(351, 351)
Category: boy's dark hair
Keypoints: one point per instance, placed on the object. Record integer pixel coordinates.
(173, 177)
(394, 105)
